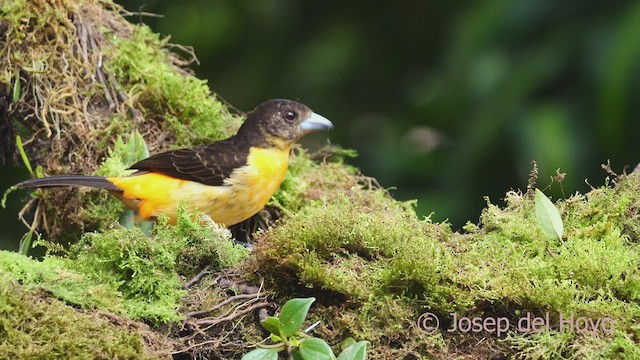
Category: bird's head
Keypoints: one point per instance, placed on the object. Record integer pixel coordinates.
(282, 122)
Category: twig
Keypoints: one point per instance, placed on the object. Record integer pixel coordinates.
(223, 303)
(196, 279)
(234, 315)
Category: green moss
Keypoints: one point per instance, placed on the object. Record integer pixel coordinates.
(54, 276)
(127, 272)
(183, 105)
(139, 268)
(307, 180)
(199, 243)
(374, 255)
(372, 259)
(372, 263)
(35, 327)
(289, 194)
(545, 345)
(512, 261)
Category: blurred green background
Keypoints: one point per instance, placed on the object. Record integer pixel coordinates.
(446, 101)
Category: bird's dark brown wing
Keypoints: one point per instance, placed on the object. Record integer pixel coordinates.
(207, 164)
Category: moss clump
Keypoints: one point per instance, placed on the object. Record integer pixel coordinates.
(127, 272)
(199, 245)
(140, 269)
(308, 180)
(54, 276)
(35, 326)
(182, 105)
(80, 76)
(593, 272)
(359, 253)
(375, 267)
(371, 258)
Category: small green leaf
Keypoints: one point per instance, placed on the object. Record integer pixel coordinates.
(261, 354)
(315, 349)
(275, 338)
(293, 314)
(25, 245)
(23, 154)
(344, 344)
(271, 325)
(357, 351)
(138, 149)
(548, 216)
(39, 171)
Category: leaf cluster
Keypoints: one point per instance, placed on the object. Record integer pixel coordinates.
(287, 335)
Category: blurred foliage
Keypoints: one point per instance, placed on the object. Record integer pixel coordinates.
(445, 101)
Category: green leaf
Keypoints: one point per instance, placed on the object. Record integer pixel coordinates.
(25, 245)
(23, 154)
(261, 354)
(271, 324)
(357, 351)
(296, 354)
(344, 344)
(293, 314)
(548, 216)
(315, 349)
(39, 171)
(138, 149)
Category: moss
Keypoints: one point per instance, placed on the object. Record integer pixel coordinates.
(127, 272)
(139, 268)
(34, 326)
(199, 245)
(373, 264)
(72, 120)
(511, 261)
(371, 254)
(357, 247)
(54, 276)
(182, 105)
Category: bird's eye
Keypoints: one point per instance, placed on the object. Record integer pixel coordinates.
(290, 115)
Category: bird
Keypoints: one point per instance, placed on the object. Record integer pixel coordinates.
(229, 180)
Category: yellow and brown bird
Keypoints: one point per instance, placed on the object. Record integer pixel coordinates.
(229, 180)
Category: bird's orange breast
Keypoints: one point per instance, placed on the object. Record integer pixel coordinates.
(241, 196)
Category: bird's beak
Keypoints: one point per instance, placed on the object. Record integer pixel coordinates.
(316, 122)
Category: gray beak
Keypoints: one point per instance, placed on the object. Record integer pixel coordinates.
(316, 122)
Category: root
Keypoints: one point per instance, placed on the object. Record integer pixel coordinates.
(215, 331)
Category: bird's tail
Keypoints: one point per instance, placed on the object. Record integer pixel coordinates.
(98, 182)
